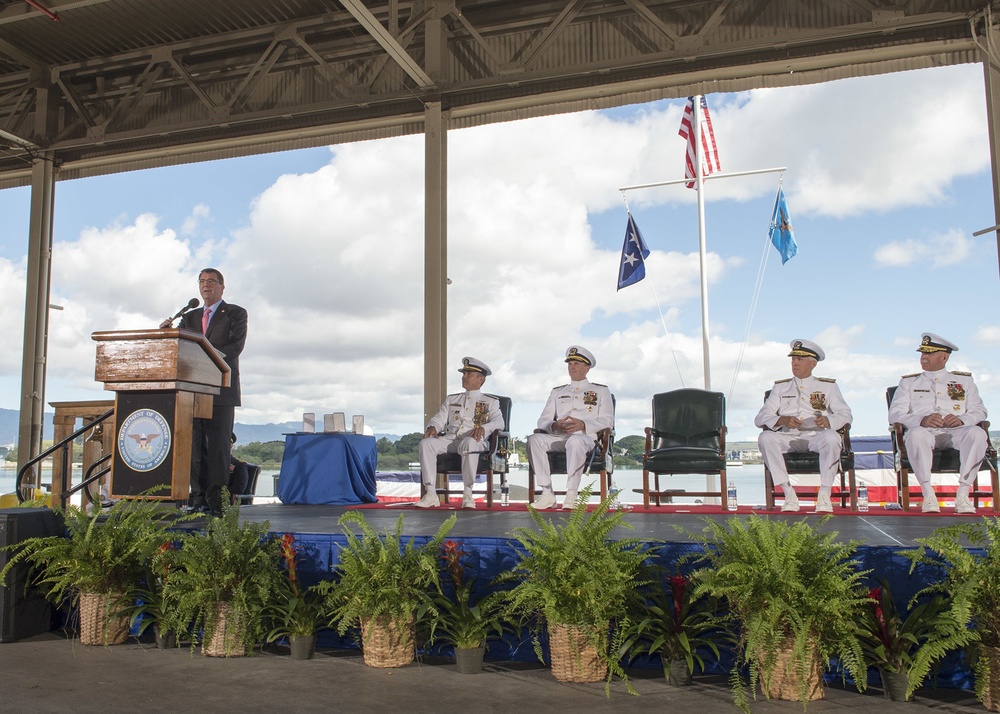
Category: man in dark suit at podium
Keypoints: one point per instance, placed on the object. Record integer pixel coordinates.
(225, 326)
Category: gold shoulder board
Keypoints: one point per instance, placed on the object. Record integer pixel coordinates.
(826, 379)
(962, 374)
(782, 381)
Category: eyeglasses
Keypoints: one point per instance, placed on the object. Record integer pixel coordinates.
(210, 281)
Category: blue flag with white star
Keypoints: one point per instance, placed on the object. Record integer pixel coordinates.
(634, 254)
(782, 236)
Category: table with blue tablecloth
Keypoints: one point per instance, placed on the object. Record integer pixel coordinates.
(332, 468)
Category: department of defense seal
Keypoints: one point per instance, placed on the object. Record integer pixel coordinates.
(144, 440)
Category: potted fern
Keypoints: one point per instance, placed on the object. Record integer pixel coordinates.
(797, 595)
(225, 576)
(968, 556)
(579, 585)
(385, 587)
(102, 557)
(464, 620)
(297, 611)
(677, 627)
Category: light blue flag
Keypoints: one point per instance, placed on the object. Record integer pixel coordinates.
(632, 269)
(782, 236)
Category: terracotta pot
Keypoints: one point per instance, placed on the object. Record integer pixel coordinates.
(96, 625)
(469, 660)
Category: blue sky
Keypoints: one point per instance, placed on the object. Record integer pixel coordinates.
(887, 179)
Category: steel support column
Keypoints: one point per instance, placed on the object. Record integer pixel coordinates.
(36, 310)
(435, 258)
(991, 73)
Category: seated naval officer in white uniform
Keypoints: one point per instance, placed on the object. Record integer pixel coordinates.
(803, 413)
(462, 425)
(940, 409)
(570, 420)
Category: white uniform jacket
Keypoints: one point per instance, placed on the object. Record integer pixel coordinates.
(943, 392)
(463, 412)
(584, 400)
(804, 398)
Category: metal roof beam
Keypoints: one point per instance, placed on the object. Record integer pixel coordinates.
(388, 43)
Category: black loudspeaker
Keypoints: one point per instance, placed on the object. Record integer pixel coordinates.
(23, 610)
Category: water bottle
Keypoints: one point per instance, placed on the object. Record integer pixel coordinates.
(731, 501)
(504, 493)
(862, 498)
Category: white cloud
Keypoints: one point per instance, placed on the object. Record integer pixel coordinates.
(330, 262)
(199, 213)
(952, 248)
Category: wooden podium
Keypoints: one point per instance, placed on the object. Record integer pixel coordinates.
(163, 379)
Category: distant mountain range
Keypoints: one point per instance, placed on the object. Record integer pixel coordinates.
(245, 433)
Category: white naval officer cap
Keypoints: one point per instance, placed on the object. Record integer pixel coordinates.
(579, 354)
(805, 348)
(929, 342)
(471, 364)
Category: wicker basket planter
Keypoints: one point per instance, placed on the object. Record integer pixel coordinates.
(387, 643)
(97, 627)
(991, 671)
(785, 678)
(227, 634)
(574, 656)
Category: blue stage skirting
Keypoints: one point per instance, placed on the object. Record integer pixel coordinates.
(319, 557)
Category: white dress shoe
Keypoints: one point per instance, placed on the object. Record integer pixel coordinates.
(468, 502)
(544, 501)
(430, 500)
(569, 503)
(823, 504)
(930, 506)
(791, 503)
(963, 506)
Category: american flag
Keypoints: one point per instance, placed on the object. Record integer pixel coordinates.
(709, 151)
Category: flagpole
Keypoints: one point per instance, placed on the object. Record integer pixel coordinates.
(702, 254)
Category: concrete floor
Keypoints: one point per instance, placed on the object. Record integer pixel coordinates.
(48, 673)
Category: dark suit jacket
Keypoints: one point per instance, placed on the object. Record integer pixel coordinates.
(228, 333)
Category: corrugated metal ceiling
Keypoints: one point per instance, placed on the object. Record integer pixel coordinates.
(119, 84)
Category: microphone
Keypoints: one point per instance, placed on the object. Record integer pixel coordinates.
(169, 322)
(192, 304)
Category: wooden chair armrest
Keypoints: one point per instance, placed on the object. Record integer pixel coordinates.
(897, 429)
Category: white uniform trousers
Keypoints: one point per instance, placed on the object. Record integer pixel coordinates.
(970, 440)
(775, 444)
(465, 445)
(576, 446)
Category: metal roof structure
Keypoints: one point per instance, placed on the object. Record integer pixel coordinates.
(113, 85)
(91, 87)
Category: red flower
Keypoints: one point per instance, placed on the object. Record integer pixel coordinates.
(875, 595)
(451, 556)
(678, 583)
(289, 555)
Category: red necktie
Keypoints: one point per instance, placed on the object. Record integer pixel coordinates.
(205, 316)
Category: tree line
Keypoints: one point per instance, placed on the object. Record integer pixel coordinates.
(398, 455)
